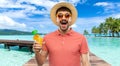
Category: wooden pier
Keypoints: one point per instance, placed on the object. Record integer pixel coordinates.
(94, 61)
(20, 43)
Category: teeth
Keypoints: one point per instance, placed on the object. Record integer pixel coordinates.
(63, 22)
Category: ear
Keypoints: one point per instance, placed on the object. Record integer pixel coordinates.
(69, 20)
(57, 20)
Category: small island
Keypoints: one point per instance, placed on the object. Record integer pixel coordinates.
(15, 32)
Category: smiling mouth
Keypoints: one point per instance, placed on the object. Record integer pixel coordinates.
(64, 22)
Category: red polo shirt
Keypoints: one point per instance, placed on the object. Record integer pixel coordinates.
(65, 50)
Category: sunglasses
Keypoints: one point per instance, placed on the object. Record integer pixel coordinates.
(60, 15)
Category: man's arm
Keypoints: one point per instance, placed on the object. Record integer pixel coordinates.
(41, 57)
(85, 59)
(40, 54)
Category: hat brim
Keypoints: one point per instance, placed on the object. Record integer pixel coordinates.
(63, 4)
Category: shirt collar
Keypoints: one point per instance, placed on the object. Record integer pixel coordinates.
(70, 32)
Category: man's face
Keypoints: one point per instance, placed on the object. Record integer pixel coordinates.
(63, 20)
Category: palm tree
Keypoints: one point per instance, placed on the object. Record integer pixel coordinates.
(105, 29)
(86, 32)
(101, 26)
(110, 24)
(117, 26)
(95, 30)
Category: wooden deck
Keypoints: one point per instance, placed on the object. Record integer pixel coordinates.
(94, 60)
(20, 43)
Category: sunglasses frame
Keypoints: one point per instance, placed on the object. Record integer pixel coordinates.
(68, 16)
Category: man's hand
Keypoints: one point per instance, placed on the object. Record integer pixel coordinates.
(36, 47)
(39, 55)
(85, 59)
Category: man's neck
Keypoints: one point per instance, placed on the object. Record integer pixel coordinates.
(64, 32)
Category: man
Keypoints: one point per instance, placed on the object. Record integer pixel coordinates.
(65, 47)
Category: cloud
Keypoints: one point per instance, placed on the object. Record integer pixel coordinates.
(101, 4)
(87, 23)
(19, 14)
(74, 26)
(9, 4)
(109, 7)
(15, 14)
(24, 10)
(8, 23)
(116, 15)
(30, 7)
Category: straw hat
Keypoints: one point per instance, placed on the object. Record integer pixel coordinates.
(63, 4)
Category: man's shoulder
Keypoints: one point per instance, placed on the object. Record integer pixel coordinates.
(78, 34)
(50, 34)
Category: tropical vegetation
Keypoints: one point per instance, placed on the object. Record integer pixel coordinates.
(86, 32)
(109, 28)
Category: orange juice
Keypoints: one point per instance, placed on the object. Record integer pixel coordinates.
(38, 39)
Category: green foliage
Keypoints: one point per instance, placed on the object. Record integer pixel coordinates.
(111, 26)
(86, 32)
(95, 30)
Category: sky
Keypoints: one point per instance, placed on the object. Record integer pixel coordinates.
(28, 15)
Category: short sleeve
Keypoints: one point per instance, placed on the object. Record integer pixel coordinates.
(44, 46)
(84, 46)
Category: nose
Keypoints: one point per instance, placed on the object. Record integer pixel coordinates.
(63, 17)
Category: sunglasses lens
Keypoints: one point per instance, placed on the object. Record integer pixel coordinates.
(67, 15)
(60, 15)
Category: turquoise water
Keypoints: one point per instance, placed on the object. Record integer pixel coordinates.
(105, 48)
(14, 57)
(21, 37)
